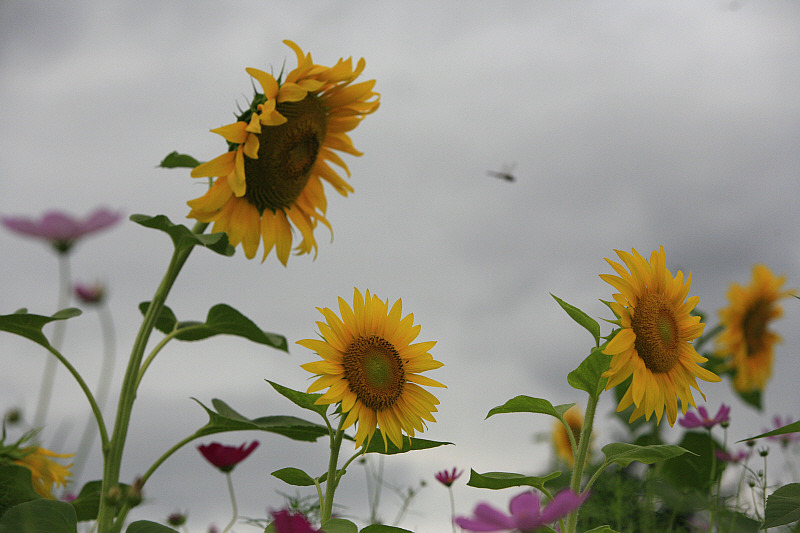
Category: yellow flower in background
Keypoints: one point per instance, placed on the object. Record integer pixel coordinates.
(44, 471)
(561, 443)
(281, 148)
(653, 344)
(746, 341)
(370, 366)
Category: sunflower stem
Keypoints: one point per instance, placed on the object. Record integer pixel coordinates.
(326, 509)
(580, 458)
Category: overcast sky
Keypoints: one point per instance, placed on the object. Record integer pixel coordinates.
(629, 124)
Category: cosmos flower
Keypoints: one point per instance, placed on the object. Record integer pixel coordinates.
(447, 478)
(787, 438)
(288, 522)
(89, 293)
(60, 229)
(226, 457)
(653, 344)
(728, 457)
(281, 147)
(525, 516)
(692, 421)
(746, 340)
(370, 366)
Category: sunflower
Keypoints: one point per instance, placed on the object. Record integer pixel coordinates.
(746, 341)
(44, 471)
(561, 443)
(370, 366)
(653, 344)
(280, 150)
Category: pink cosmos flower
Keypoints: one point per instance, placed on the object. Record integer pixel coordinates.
(787, 438)
(692, 421)
(288, 522)
(89, 294)
(447, 478)
(226, 457)
(61, 229)
(729, 457)
(526, 516)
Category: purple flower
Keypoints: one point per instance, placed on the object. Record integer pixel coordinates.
(728, 457)
(226, 457)
(525, 516)
(447, 478)
(692, 421)
(89, 294)
(288, 522)
(61, 229)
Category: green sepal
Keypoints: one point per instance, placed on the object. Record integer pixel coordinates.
(783, 506)
(146, 526)
(588, 376)
(176, 160)
(380, 528)
(306, 400)
(30, 326)
(504, 480)
(222, 319)
(376, 444)
(623, 454)
(183, 237)
(294, 476)
(17, 486)
(38, 516)
(527, 404)
(87, 503)
(794, 427)
(581, 318)
(226, 419)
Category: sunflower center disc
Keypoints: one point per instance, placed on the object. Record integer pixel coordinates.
(374, 370)
(754, 326)
(657, 333)
(286, 155)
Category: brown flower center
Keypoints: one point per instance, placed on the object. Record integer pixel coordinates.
(754, 326)
(374, 370)
(286, 155)
(657, 333)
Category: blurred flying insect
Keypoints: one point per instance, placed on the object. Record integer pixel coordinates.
(505, 174)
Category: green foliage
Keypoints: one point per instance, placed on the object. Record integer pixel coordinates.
(376, 444)
(30, 326)
(226, 419)
(794, 427)
(581, 318)
(602, 529)
(16, 486)
(623, 454)
(221, 320)
(294, 476)
(301, 399)
(692, 471)
(183, 237)
(527, 404)
(176, 160)
(380, 528)
(40, 516)
(588, 376)
(87, 503)
(339, 525)
(145, 526)
(504, 480)
(783, 506)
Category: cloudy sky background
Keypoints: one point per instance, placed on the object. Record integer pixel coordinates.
(629, 124)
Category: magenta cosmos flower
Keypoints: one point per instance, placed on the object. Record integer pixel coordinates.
(692, 421)
(288, 522)
(226, 457)
(731, 457)
(89, 293)
(526, 516)
(447, 478)
(61, 229)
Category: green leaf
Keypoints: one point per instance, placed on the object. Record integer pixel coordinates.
(376, 444)
(145, 526)
(602, 529)
(581, 318)
(17, 486)
(504, 480)
(225, 320)
(783, 506)
(183, 237)
(624, 454)
(30, 326)
(176, 160)
(87, 504)
(794, 427)
(380, 528)
(165, 321)
(693, 470)
(588, 376)
(301, 399)
(527, 404)
(226, 419)
(294, 476)
(339, 525)
(40, 516)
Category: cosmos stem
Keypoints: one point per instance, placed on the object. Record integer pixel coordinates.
(581, 456)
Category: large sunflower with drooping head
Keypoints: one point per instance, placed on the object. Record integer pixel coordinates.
(653, 345)
(746, 340)
(370, 366)
(281, 148)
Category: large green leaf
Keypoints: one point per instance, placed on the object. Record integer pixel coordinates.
(183, 237)
(783, 506)
(624, 454)
(145, 526)
(527, 404)
(794, 427)
(16, 483)
(176, 160)
(301, 399)
(504, 480)
(226, 419)
(694, 470)
(30, 326)
(581, 318)
(40, 516)
(376, 444)
(588, 376)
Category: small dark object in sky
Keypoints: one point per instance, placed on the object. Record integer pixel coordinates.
(504, 174)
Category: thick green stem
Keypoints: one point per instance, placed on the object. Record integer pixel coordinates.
(580, 458)
(332, 481)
